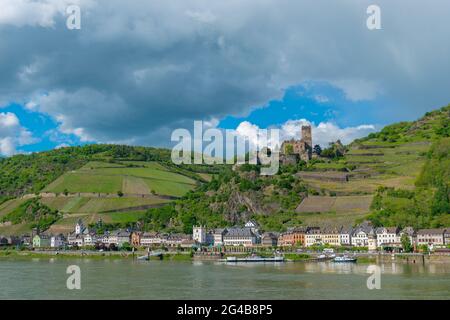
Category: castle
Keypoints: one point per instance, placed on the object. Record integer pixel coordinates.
(294, 150)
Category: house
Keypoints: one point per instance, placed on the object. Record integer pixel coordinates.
(149, 239)
(253, 225)
(431, 237)
(104, 238)
(210, 237)
(136, 238)
(89, 239)
(218, 235)
(4, 241)
(199, 234)
(293, 236)
(119, 238)
(239, 236)
(58, 241)
(345, 236)
(331, 236)
(175, 240)
(10, 241)
(360, 235)
(26, 240)
(313, 237)
(269, 239)
(447, 236)
(74, 239)
(388, 237)
(41, 241)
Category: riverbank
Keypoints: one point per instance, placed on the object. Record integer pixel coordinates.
(363, 258)
(26, 254)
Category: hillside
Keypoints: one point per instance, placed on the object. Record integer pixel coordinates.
(398, 176)
(387, 177)
(108, 182)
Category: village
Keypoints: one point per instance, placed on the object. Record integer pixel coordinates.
(363, 237)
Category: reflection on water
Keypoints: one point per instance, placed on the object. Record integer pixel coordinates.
(120, 279)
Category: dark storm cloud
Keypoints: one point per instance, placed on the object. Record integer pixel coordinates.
(138, 69)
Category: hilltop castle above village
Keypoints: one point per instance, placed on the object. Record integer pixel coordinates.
(294, 150)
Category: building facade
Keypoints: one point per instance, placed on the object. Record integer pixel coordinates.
(431, 237)
(239, 236)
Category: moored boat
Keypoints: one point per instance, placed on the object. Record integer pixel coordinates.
(344, 259)
(255, 259)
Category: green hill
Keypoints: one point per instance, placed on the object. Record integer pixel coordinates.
(389, 177)
(398, 176)
(92, 182)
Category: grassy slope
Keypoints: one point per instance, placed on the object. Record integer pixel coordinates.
(133, 177)
(99, 177)
(397, 157)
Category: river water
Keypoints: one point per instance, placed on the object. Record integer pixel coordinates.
(125, 279)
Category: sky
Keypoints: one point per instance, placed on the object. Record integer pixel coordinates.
(137, 70)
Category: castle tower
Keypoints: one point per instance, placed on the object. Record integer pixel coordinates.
(199, 234)
(306, 135)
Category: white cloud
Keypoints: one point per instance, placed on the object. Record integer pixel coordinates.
(322, 134)
(12, 134)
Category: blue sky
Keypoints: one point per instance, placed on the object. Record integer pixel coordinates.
(43, 129)
(316, 102)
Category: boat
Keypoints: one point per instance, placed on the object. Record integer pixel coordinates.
(344, 259)
(255, 259)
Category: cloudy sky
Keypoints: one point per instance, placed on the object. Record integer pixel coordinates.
(136, 70)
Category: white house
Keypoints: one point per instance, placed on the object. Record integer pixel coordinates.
(360, 236)
(387, 236)
(345, 236)
(75, 240)
(149, 239)
(218, 236)
(431, 237)
(57, 241)
(313, 236)
(89, 239)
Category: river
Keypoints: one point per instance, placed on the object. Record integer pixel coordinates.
(126, 279)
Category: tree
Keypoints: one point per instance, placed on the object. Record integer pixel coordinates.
(406, 243)
(441, 201)
(289, 149)
(120, 193)
(126, 246)
(317, 149)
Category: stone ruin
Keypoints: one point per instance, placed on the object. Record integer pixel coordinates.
(292, 151)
